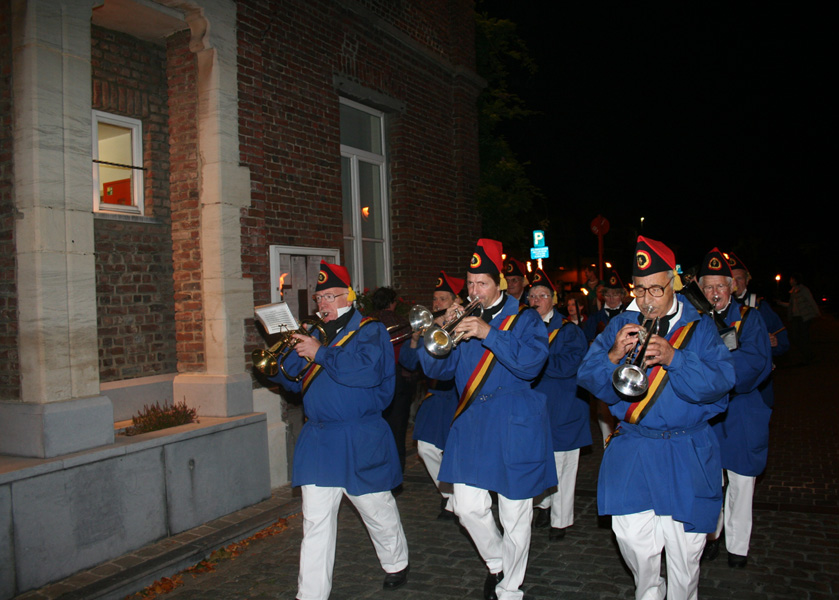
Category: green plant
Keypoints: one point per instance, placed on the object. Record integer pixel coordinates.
(156, 417)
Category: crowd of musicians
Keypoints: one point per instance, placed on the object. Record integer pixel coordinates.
(678, 376)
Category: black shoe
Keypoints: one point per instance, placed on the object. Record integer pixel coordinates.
(711, 551)
(395, 580)
(541, 517)
(556, 534)
(492, 580)
(735, 561)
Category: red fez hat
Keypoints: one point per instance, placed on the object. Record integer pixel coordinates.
(652, 257)
(446, 283)
(539, 277)
(332, 276)
(735, 263)
(487, 257)
(514, 268)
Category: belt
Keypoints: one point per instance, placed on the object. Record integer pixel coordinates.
(659, 434)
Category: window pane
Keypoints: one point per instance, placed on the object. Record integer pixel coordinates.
(370, 192)
(361, 130)
(115, 179)
(349, 257)
(374, 264)
(346, 194)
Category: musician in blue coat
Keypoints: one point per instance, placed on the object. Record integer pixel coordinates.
(568, 413)
(743, 430)
(500, 437)
(345, 446)
(778, 338)
(435, 414)
(660, 474)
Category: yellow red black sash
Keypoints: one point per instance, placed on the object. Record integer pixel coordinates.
(315, 369)
(484, 367)
(658, 377)
(738, 326)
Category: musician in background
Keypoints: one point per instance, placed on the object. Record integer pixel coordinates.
(515, 273)
(435, 414)
(660, 474)
(500, 437)
(591, 288)
(575, 309)
(743, 430)
(569, 414)
(345, 446)
(613, 295)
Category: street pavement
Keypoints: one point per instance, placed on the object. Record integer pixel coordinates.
(794, 549)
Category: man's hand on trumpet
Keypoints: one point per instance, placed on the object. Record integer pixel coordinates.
(306, 346)
(473, 327)
(659, 352)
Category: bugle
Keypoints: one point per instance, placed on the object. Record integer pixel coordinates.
(420, 319)
(630, 378)
(270, 361)
(439, 341)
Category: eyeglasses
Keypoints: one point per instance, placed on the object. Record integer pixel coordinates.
(327, 297)
(656, 291)
(714, 288)
(540, 296)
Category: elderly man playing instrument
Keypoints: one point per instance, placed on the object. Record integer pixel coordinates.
(500, 437)
(345, 446)
(660, 474)
(569, 414)
(743, 430)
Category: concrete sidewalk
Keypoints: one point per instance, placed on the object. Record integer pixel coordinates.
(794, 554)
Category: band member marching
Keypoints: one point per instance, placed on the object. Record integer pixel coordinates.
(660, 474)
(345, 446)
(500, 437)
(569, 414)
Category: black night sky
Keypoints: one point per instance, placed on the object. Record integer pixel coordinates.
(716, 125)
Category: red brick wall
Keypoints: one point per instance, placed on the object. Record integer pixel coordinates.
(135, 308)
(182, 72)
(9, 361)
(289, 53)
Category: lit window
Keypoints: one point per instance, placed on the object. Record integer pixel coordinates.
(117, 164)
(365, 201)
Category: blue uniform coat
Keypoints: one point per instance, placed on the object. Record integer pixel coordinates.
(569, 414)
(435, 414)
(502, 441)
(345, 442)
(773, 324)
(743, 430)
(670, 462)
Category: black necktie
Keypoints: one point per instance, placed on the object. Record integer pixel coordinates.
(663, 323)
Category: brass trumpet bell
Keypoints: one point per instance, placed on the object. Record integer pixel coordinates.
(630, 378)
(420, 319)
(270, 361)
(440, 341)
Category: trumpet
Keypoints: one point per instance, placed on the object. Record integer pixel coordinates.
(420, 319)
(630, 378)
(270, 361)
(440, 341)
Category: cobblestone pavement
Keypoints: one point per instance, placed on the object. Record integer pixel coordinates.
(794, 553)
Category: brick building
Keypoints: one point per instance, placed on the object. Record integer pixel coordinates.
(162, 162)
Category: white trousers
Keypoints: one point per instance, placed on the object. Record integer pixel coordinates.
(320, 530)
(432, 456)
(641, 538)
(506, 553)
(561, 502)
(736, 514)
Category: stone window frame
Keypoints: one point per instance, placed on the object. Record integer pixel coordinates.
(137, 186)
(355, 261)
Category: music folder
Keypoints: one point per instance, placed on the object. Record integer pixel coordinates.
(276, 318)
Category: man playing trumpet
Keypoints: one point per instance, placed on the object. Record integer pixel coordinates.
(660, 475)
(345, 446)
(500, 437)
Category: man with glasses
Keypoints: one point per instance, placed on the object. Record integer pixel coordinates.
(345, 446)
(660, 474)
(743, 430)
(568, 413)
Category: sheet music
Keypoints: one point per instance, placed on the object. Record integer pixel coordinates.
(276, 318)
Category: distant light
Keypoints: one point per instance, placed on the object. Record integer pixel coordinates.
(778, 277)
(608, 265)
(584, 291)
(538, 262)
(365, 212)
